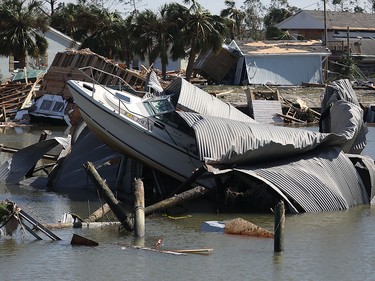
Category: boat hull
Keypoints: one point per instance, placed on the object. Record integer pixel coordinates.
(135, 141)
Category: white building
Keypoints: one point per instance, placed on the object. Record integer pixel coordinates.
(57, 42)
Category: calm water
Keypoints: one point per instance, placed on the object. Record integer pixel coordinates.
(318, 246)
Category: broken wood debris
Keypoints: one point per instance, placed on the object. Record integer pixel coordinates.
(183, 252)
(13, 97)
(15, 212)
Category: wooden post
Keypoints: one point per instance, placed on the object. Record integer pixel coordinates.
(279, 227)
(4, 114)
(179, 198)
(109, 197)
(139, 208)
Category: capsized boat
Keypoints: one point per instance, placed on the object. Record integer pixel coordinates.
(50, 109)
(181, 128)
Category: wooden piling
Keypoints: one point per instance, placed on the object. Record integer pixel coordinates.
(109, 197)
(279, 227)
(139, 208)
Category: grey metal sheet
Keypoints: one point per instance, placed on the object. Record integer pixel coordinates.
(13, 170)
(194, 99)
(228, 141)
(342, 114)
(70, 173)
(321, 180)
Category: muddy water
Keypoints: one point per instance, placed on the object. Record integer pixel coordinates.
(321, 246)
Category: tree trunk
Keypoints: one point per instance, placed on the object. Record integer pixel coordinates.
(190, 66)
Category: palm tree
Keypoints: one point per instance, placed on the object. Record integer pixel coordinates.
(202, 32)
(19, 30)
(236, 17)
(155, 35)
(108, 37)
(143, 33)
(64, 19)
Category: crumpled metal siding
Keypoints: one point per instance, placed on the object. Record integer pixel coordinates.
(340, 103)
(13, 170)
(191, 98)
(323, 180)
(227, 141)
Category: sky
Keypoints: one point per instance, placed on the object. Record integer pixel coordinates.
(215, 6)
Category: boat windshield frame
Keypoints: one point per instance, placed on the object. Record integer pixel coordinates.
(159, 105)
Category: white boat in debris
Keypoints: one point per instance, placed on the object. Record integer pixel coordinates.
(181, 128)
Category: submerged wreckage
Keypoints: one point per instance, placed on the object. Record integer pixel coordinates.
(189, 135)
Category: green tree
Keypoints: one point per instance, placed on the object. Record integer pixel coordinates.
(102, 31)
(202, 32)
(108, 37)
(275, 16)
(20, 27)
(235, 17)
(254, 11)
(143, 34)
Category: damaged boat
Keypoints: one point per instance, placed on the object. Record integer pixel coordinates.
(182, 128)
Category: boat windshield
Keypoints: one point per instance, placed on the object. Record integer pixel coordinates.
(159, 105)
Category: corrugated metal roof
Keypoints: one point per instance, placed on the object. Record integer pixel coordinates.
(321, 180)
(192, 98)
(228, 141)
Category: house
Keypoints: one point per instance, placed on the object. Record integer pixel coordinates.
(264, 62)
(57, 42)
(347, 33)
(282, 62)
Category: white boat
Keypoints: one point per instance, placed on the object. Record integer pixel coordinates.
(141, 125)
(49, 109)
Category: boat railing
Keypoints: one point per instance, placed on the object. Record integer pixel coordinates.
(102, 77)
(98, 76)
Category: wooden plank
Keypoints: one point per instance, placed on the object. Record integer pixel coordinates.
(290, 118)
